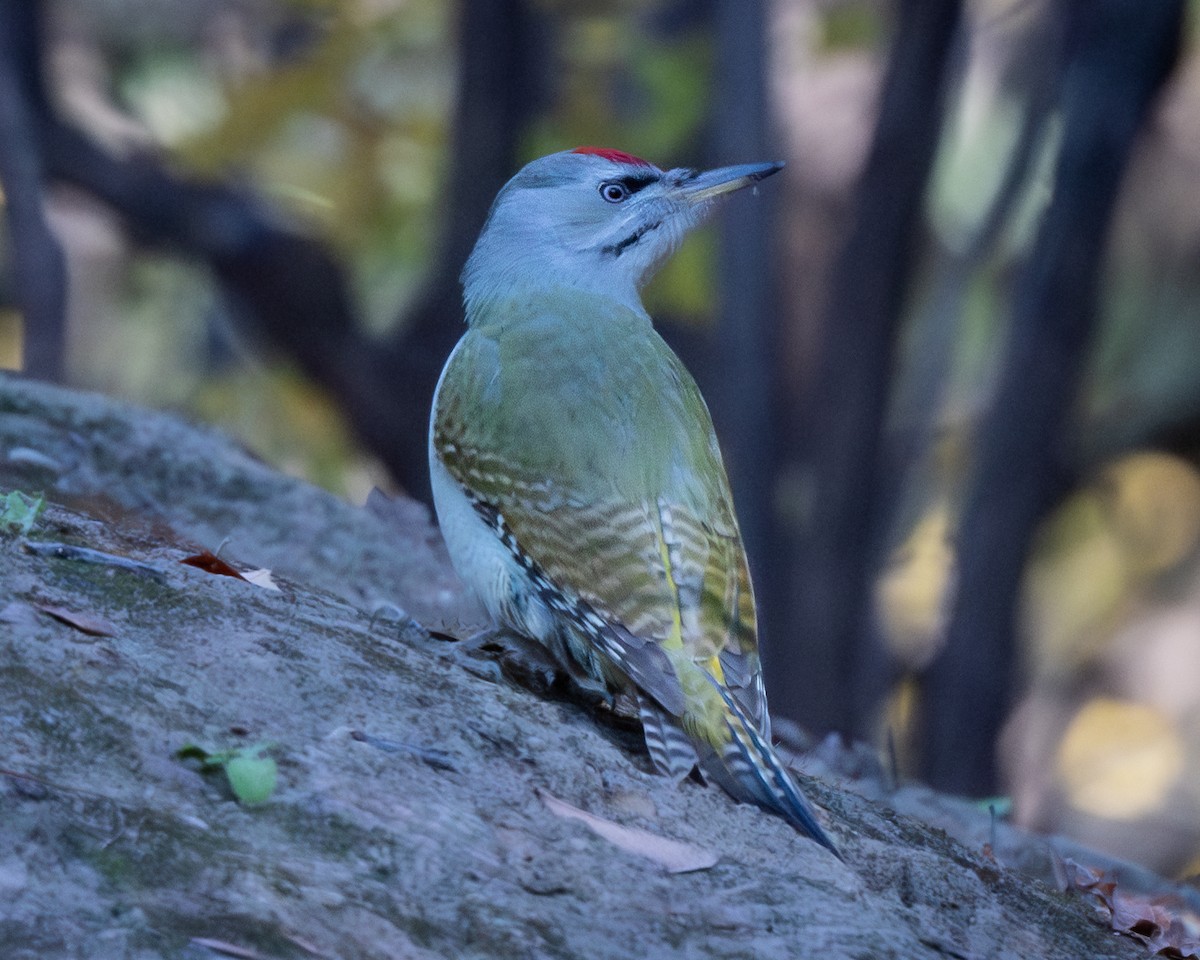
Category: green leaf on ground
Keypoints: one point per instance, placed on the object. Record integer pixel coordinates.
(250, 773)
(251, 776)
(19, 511)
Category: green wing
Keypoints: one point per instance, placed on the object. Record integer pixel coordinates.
(619, 493)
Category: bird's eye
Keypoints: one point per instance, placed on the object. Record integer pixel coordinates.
(614, 192)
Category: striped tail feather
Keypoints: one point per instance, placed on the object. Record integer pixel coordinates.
(748, 769)
(670, 748)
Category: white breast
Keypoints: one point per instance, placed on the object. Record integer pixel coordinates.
(481, 560)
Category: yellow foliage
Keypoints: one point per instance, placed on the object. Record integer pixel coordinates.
(899, 715)
(1191, 869)
(1139, 520)
(12, 342)
(1075, 587)
(292, 425)
(1154, 501)
(911, 593)
(350, 133)
(1118, 759)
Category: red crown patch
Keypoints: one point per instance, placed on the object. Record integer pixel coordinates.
(617, 156)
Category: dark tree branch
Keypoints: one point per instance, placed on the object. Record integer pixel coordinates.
(869, 288)
(286, 288)
(1123, 52)
(39, 268)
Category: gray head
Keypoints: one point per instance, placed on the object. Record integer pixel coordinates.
(592, 219)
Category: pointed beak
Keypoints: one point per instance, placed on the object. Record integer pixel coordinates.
(699, 187)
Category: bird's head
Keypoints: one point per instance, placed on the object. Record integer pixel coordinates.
(592, 219)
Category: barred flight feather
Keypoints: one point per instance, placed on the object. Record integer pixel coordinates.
(670, 748)
(759, 775)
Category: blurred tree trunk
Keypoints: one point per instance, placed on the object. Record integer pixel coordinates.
(933, 332)
(1123, 50)
(498, 93)
(38, 265)
(831, 591)
(741, 373)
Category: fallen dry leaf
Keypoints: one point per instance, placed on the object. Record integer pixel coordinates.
(675, 855)
(229, 949)
(309, 948)
(261, 578)
(209, 562)
(92, 626)
(1158, 922)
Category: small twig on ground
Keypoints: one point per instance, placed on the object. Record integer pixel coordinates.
(69, 551)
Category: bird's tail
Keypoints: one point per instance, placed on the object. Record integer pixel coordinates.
(748, 769)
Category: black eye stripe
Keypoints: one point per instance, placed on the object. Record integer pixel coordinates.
(638, 182)
(632, 184)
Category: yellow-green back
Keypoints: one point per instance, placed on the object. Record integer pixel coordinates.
(568, 414)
